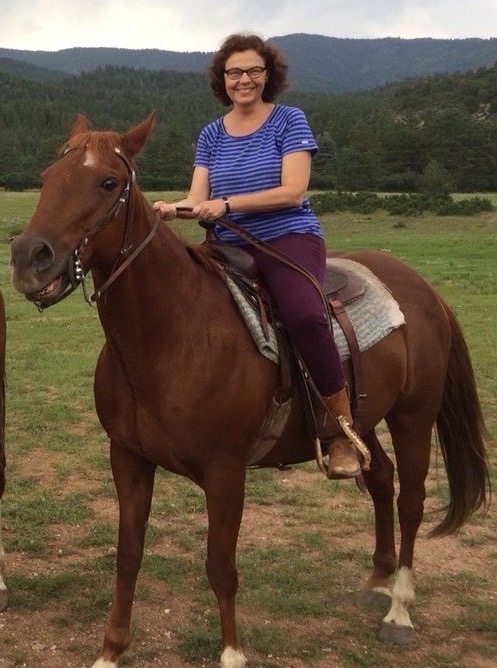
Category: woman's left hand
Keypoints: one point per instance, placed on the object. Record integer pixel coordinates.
(210, 209)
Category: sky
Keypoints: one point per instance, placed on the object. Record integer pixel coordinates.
(201, 25)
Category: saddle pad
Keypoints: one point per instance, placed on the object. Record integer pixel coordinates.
(373, 315)
(250, 315)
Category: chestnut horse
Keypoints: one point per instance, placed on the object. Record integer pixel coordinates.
(180, 384)
(3, 587)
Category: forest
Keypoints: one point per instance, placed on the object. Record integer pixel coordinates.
(387, 139)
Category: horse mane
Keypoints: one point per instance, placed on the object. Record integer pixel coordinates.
(205, 256)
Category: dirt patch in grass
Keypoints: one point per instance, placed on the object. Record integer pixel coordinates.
(60, 598)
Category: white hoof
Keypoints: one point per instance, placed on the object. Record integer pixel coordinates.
(103, 663)
(232, 658)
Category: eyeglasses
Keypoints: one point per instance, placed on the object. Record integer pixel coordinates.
(237, 73)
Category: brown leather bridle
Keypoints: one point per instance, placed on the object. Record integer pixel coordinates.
(75, 269)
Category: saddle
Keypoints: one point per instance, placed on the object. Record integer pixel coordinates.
(340, 288)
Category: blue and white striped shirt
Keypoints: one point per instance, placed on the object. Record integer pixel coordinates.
(252, 163)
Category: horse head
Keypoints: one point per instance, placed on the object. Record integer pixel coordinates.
(85, 192)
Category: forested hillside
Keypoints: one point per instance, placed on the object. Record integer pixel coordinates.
(317, 63)
(384, 139)
(23, 69)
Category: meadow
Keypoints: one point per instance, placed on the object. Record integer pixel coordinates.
(305, 544)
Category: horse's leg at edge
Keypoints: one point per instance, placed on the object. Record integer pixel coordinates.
(379, 481)
(4, 594)
(224, 488)
(134, 480)
(412, 444)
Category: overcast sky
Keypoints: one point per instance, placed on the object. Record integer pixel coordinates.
(201, 25)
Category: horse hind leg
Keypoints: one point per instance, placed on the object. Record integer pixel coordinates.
(379, 481)
(4, 594)
(412, 443)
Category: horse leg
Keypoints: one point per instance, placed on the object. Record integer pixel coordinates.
(412, 442)
(379, 481)
(225, 490)
(4, 594)
(134, 480)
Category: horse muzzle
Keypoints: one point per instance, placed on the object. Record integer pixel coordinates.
(40, 275)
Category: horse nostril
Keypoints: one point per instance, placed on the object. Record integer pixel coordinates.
(31, 254)
(42, 255)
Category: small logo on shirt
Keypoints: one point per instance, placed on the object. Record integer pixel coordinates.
(305, 141)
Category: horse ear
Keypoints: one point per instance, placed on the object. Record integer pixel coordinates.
(81, 124)
(134, 140)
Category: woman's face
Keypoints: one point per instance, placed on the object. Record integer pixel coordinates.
(245, 88)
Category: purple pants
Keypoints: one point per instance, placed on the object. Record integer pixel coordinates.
(300, 307)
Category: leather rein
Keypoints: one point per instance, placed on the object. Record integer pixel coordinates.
(266, 248)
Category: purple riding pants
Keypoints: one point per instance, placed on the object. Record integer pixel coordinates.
(300, 307)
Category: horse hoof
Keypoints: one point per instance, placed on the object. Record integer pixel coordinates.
(374, 598)
(4, 599)
(400, 635)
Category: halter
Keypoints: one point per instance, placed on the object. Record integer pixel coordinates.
(75, 270)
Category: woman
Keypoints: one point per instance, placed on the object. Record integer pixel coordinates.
(254, 164)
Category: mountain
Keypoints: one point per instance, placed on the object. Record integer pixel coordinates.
(24, 69)
(317, 63)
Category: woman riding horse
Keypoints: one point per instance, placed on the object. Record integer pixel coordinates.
(267, 148)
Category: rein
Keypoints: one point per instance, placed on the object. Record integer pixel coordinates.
(117, 272)
(266, 248)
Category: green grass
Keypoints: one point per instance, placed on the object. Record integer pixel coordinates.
(300, 569)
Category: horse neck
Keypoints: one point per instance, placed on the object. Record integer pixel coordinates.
(156, 287)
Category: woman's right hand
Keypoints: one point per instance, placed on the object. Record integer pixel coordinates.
(166, 211)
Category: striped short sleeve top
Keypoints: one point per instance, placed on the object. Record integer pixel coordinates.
(253, 162)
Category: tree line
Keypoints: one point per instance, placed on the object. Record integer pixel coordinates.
(389, 139)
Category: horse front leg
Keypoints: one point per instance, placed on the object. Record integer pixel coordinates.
(412, 444)
(225, 491)
(4, 594)
(134, 480)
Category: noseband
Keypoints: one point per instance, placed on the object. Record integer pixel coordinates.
(75, 270)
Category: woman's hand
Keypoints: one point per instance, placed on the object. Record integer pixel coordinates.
(209, 209)
(166, 211)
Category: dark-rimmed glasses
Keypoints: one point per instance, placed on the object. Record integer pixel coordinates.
(237, 73)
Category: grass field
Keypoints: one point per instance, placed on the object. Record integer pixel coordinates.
(305, 543)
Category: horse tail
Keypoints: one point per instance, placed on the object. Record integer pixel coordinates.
(462, 436)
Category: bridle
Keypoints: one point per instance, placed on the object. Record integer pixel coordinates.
(75, 269)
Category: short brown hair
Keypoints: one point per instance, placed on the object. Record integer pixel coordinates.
(274, 61)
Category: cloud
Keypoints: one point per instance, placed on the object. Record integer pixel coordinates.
(201, 25)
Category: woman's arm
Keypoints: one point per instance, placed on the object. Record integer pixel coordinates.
(295, 175)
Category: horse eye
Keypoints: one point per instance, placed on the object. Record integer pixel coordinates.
(109, 185)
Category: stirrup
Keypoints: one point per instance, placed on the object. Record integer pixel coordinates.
(356, 441)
